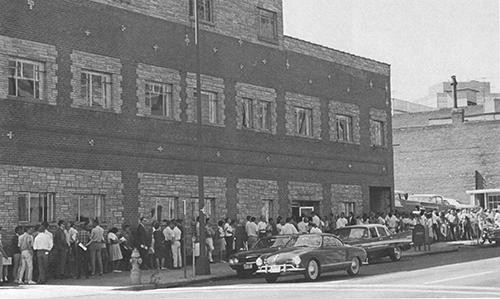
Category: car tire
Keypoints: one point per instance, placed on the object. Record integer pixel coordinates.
(354, 267)
(270, 278)
(396, 254)
(313, 270)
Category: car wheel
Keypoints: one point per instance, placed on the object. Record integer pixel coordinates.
(354, 267)
(270, 278)
(312, 270)
(396, 254)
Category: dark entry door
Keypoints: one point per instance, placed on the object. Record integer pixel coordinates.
(380, 199)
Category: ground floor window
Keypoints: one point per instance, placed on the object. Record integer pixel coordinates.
(267, 209)
(347, 207)
(89, 207)
(165, 208)
(36, 207)
(209, 209)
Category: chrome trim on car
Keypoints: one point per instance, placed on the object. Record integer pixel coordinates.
(282, 268)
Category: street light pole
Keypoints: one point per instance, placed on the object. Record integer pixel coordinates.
(202, 263)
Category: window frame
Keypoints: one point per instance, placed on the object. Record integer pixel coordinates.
(308, 114)
(106, 84)
(38, 80)
(247, 120)
(207, 15)
(99, 206)
(347, 135)
(272, 17)
(263, 115)
(172, 207)
(268, 208)
(348, 206)
(377, 140)
(166, 98)
(49, 211)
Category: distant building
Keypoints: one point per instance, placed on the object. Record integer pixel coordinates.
(402, 106)
(453, 152)
(469, 93)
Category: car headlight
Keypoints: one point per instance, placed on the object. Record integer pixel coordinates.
(259, 262)
(296, 260)
(235, 260)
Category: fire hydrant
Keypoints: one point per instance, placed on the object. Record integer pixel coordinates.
(135, 272)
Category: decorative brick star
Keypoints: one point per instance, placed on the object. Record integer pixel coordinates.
(10, 135)
(240, 42)
(371, 84)
(160, 148)
(215, 49)
(287, 64)
(91, 142)
(187, 41)
(123, 28)
(156, 47)
(31, 3)
(264, 61)
(87, 32)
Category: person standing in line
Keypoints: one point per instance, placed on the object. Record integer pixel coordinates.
(220, 241)
(229, 237)
(289, 228)
(314, 229)
(43, 244)
(209, 240)
(303, 225)
(261, 227)
(71, 235)
(82, 252)
(61, 249)
(115, 253)
(25, 244)
(168, 233)
(94, 246)
(252, 233)
(158, 245)
(341, 222)
(16, 252)
(176, 245)
(141, 238)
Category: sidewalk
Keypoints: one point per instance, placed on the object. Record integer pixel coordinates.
(440, 247)
(151, 278)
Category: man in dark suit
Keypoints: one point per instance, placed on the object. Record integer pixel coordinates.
(61, 248)
(142, 241)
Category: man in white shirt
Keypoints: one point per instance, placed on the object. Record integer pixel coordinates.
(288, 228)
(341, 222)
(176, 245)
(261, 226)
(315, 219)
(168, 232)
(42, 244)
(252, 232)
(314, 229)
(303, 225)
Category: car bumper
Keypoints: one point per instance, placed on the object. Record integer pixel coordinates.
(244, 266)
(277, 269)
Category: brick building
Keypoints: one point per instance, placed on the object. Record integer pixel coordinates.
(97, 114)
(452, 152)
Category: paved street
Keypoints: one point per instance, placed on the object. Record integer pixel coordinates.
(469, 272)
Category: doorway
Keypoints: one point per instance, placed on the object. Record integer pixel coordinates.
(380, 199)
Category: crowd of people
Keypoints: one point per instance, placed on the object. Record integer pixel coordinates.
(75, 250)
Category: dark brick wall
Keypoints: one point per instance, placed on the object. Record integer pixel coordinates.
(58, 136)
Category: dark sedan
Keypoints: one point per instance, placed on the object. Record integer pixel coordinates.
(311, 255)
(376, 239)
(244, 262)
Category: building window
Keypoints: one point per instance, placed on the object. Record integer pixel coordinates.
(36, 207)
(344, 128)
(493, 202)
(247, 121)
(25, 78)
(303, 120)
(347, 207)
(159, 99)
(89, 207)
(267, 23)
(263, 115)
(267, 209)
(205, 10)
(166, 208)
(209, 209)
(96, 89)
(377, 132)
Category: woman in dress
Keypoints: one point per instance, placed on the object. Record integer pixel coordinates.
(159, 246)
(115, 253)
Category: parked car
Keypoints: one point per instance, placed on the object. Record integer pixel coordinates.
(311, 255)
(244, 261)
(458, 205)
(427, 202)
(376, 239)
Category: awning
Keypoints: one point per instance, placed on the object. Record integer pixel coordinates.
(482, 191)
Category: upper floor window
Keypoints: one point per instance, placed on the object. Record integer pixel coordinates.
(267, 22)
(303, 121)
(263, 115)
(247, 120)
(377, 133)
(96, 89)
(210, 104)
(344, 128)
(205, 9)
(159, 99)
(25, 78)
(36, 207)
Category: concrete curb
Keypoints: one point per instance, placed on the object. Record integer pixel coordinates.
(175, 284)
(421, 253)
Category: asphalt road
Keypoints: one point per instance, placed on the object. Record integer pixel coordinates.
(468, 273)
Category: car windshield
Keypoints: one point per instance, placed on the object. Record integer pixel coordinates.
(312, 240)
(272, 242)
(352, 233)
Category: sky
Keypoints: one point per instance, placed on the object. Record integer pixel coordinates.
(424, 41)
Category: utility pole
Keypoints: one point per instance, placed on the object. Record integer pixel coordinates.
(202, 263)
(454, 84)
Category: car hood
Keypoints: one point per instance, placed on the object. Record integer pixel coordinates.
(286, 253)
(254, 254)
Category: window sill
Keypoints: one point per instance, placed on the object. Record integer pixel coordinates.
(157, 117)
(266, 39)
(28, 100)
(374, 146)
(253, 130)
(97, 109)
(203, 22)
